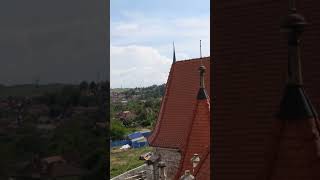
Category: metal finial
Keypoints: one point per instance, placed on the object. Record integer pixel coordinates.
(295, 105)
(200, 50)
(202, 94)
(201, 55)
(174, 53)
(292, 5)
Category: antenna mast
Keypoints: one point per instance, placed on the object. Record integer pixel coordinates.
(201, 54)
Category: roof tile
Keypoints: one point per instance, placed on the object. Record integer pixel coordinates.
(179, 102)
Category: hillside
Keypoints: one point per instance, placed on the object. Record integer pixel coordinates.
(134, 108)
(28, 89)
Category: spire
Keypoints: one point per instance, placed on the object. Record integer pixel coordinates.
(174, 54)
(295, 104)
(202, 94)
(200, 50)
(294, 25)
(202, 70)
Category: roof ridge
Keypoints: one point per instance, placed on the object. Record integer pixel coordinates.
(207, 58)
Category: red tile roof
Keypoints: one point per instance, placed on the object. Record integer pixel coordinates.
(184, 120)
(179, 103)
(198, 141)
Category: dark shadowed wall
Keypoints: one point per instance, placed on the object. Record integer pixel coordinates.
(249, 75)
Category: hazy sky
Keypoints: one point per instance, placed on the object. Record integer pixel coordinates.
(141, 38)
(60, 41)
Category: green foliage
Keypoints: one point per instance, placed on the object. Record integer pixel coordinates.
(78, 136)
(93, 87)
(146, 112)
(29, 142)
(153, 91)
(145, 107)
(66, 96)
(28, 90)
(87, 101)
(129, 93)
(118, 131)
(84, 86)
(55, 110)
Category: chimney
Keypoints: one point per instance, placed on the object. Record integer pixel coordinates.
(202, 94)
(295, 104)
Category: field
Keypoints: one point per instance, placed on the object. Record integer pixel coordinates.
(122, 161)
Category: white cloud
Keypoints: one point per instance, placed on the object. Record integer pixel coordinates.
(141, 45)
(159, 32)
(123, 28)
(193, 22)
(133, 66)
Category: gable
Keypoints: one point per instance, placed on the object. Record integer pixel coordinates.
(178, 105)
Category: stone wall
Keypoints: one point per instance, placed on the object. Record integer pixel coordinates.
(172, 158)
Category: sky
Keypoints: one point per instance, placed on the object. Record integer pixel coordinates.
(53, 41)
(142, 34)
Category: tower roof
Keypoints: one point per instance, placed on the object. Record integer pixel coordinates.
(198, 141)
(295, 104)
(179, 103)
(298, 146)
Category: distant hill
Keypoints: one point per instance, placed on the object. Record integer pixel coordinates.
(154, 91)
(134, 108)
(29, 89)
(119, 90)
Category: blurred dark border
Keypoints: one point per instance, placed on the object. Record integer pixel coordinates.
(56, 41)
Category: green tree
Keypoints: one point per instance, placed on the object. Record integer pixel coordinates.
(93, 87)
(84, 86)
(117, 131)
